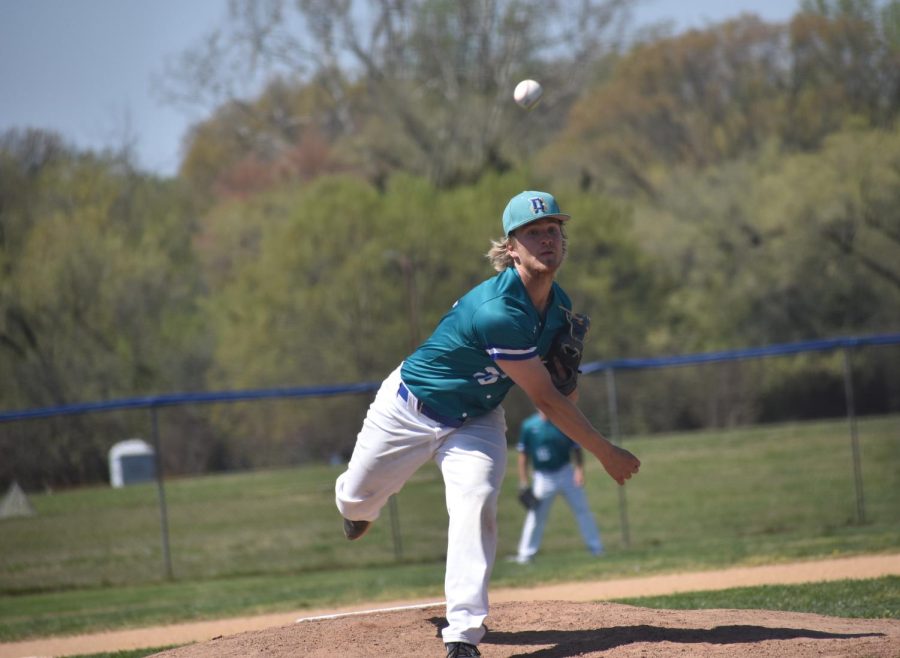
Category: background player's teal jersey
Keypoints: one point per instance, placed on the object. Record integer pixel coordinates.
(458, 371)
(547, 447)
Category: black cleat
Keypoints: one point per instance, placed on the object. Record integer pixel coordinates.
(461, 650)
(355, 529)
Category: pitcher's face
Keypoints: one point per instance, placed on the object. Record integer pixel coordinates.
(538, 246)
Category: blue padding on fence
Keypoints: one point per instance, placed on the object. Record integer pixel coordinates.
(173, 399)
(746, 353)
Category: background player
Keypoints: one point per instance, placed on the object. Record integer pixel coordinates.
(443, 403)
(558, 468)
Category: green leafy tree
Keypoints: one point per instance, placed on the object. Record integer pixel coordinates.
(783, 248)
(98, 294)
(693, 99)
(845, 64)
(712, 96)
(788, 247)
(841, 221)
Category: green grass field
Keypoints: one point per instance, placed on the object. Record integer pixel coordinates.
(869, 599)
(876, 598)
(270, 541)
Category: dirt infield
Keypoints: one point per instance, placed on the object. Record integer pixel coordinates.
(554, 629)
(549, 621)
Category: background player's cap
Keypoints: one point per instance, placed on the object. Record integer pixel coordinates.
(530, 206)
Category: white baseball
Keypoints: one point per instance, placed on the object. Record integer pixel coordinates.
(528, 93)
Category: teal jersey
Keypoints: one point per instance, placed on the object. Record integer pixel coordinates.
(547, 447)
(457, 371)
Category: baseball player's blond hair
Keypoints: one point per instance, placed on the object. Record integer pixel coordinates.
(499, 252)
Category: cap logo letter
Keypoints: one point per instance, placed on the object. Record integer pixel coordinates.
(537, 205)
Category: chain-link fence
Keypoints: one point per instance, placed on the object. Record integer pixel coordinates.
(628, 399)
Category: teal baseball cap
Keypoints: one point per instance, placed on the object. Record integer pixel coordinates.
(530, 206)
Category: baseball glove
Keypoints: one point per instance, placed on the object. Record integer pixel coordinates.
(564, 356)
(527, 498)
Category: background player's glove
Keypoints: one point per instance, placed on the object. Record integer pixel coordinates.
(564, 356)
(527, 498)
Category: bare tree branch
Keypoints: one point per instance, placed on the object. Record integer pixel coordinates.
(439, 73)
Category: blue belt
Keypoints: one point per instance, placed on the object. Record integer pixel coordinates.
(404, 393)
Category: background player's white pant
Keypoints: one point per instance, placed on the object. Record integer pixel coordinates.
(394, 442)
(545, 487)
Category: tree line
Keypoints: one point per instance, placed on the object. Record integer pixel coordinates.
(731, 186)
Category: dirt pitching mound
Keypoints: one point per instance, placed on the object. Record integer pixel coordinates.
(558, 629)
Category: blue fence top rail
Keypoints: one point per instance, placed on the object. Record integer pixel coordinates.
(172, 399)
(822, 345)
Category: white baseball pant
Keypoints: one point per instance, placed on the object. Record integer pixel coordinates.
(546, 486)
(395, 440)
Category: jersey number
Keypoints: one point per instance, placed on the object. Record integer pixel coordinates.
(490, 376)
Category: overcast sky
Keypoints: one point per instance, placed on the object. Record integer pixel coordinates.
(86, 68)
